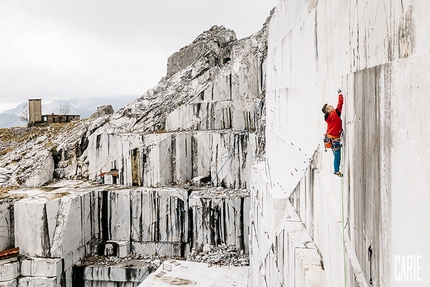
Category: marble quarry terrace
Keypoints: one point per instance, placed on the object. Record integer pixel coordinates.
(107, 200)
(218, 175)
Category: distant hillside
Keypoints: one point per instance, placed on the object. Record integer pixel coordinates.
(9, 120)
(15, 111)
(84, 107)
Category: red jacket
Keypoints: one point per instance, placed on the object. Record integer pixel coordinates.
(334, 123)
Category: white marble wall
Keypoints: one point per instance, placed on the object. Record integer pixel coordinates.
(9, 271)
(377, 52)
(237, 115)
(52, 221)
(42, 171)
(219, 220)
(112, 151)
(55, 229)
(178, 157)
(282, 252)
(195, 130)
(6, 234)
(116, 275)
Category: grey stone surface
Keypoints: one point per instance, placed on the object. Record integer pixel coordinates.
(49, 225)
(68, 235)
(38, 281)
(211, 44)
(30, 227)
(9, 271)
(102, 111)
(41, 267)
(119, 213)
(6, 228)
(11, 283)
(98, 269)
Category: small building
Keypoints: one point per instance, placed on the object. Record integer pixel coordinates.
(53, 118)
(34, 111)
(35, 115)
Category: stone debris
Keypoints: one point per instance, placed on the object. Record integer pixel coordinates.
(207, 248)
(99, 261)
(223, 255)
(219, 192)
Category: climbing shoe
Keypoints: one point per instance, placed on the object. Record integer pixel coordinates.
(338, 173)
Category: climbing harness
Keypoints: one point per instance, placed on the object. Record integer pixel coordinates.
(330, 141)
(327, 142)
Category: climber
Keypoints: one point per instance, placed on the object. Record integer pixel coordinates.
(334, 130)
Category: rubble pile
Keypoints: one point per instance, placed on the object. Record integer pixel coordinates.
(131, 259)
(219, 192)
(223, 255)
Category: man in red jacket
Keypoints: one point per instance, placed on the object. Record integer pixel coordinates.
(334, 130)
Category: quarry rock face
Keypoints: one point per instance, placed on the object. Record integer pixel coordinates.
(188, 109)
(359, 229)
(212, 46)
(167, 175)
(81, 221)
(196, 167)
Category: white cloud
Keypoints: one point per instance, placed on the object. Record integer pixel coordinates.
(57, 49)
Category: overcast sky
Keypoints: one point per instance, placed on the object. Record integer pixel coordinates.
(54, 49)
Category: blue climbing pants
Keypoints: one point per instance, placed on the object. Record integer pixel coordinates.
(336, 152)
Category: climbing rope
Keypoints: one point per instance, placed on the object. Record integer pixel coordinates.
(343, 213)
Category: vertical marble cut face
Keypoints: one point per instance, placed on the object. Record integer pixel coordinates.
(54, 225)
(314, 48)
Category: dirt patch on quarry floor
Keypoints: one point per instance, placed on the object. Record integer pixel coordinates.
(177, 281)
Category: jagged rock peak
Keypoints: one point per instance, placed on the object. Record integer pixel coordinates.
(102, 111)
(215, 40)
(218, 34)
